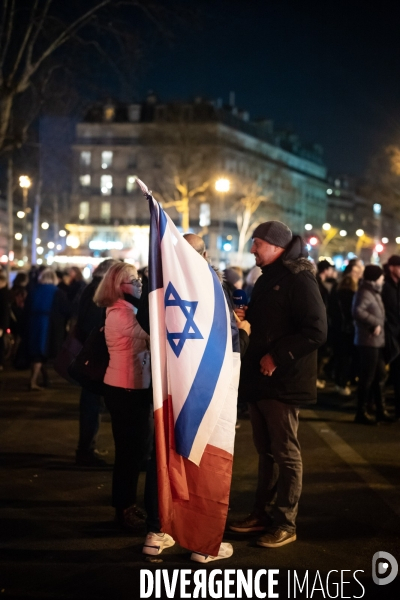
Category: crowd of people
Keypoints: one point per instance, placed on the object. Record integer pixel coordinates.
(300, 325)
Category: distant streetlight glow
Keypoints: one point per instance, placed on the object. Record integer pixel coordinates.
(20, 214)
(62, 233)
(329, 192)
(308, 226)
(360, 232)
(18, 236)
(398, 240)
(379, 248)
(313, 241)
(222, 185)
(51, 245)
(38, 241)
(326, 226)
(45, 225)
(385, 240)
(343, 232)
(24, 181)
(377, 208)
(40, 249)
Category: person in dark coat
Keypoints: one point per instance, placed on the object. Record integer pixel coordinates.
(391, 302)
(91, 405)
(325, 271)
(4, 314)
(369, 317)
(48, 310)
(279, 372)
(75, 290)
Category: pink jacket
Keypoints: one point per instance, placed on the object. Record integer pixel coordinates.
(125, 339)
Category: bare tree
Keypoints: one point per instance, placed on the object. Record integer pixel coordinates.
(247, 207)
(186, 159)
(33, 31)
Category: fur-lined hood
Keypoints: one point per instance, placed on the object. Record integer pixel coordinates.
(295, 257)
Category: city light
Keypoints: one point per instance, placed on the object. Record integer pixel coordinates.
(38, 241)
(4, 258)
(360, 232)
(343, 232)
(62, 233)
(329, 192)
(18, 236)
(308, 226)
(73, 241)
(377, 208)
(227, 246)
(58, 247)
(24, 181)
(222, 185)
(40, 249)
(385, 240)
(39, 261)
(313, 241)
(51, 245)
(326, 226)
(398, 240)
(45, 225)
(379, 248)
(100, 245)
(20, 214)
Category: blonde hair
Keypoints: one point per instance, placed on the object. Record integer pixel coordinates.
(109, 290)
(48, 275)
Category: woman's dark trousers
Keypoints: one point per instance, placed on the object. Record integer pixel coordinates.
(372, 376)
(129, 410)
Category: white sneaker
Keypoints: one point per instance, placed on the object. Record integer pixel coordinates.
(321, 384)
(225, 551)
(343, 391)
(155, 543)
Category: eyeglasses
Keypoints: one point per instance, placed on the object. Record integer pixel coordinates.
(133, 282)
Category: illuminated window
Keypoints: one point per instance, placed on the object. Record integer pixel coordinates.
(205, 215)
(85, 180)
(83, 211)
(105, 211)
(106, 185)
(85, 158)
(130, 183)
(106, 159)
(109, 113)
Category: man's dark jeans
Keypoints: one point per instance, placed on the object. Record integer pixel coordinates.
(91, 406)
(280, 467)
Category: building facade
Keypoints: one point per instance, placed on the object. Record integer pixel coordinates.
(180, 150)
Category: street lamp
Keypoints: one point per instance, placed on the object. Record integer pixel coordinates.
(360, 232)
(308, 226)
(326, 226)
(222, 185)
(25, 183)
(45, 225)
(343, 233)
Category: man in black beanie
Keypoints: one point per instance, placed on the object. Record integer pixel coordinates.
(391, 301)
(279, 372)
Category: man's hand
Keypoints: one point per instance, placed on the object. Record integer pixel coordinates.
(377, 330)
(244, 325)
(240, 313)
(267, 365)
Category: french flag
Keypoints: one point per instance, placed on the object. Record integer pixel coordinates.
(195, 380)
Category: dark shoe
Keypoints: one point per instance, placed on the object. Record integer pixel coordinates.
(385, 417)
(276, 538)
(254, 522)
(89, 459)
(130, 518)
(364, 419)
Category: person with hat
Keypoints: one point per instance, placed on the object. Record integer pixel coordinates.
(279, 372)
(369, 318)
(391, 302)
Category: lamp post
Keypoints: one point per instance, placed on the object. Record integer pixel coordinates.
(222, 186)
(25, 183)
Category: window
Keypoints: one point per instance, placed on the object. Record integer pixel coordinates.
(85, 180)
(132, 161)
(85, 158)
(105, 211)
(130, 183)
(83, 211)
(109, 113)
(106, 159)
(106, 185)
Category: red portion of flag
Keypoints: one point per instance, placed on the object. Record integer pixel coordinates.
(193, 500)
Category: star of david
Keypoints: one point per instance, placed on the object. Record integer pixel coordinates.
(190, 331)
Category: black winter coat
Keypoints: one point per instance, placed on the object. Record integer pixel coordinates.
(288, 321)
(391, 301)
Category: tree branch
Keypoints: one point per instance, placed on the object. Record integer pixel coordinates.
(24, 42)
(9, 29)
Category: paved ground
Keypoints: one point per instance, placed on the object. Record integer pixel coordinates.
(57, 539)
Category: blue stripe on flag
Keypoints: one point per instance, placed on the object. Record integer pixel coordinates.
(158, 224)
(206, 378)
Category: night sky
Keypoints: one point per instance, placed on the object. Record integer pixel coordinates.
(330, 70)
